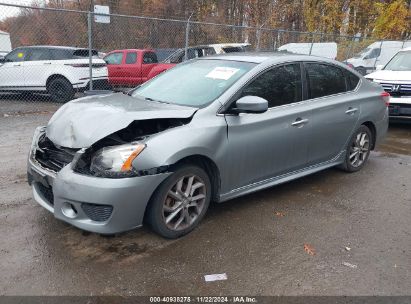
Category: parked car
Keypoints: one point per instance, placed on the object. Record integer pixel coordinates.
(206, 50)
(131, 67)
(323, 49)
(377, 53)
(56, 70)
(395, 78)
(210, 129)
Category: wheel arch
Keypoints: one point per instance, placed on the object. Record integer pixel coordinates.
(55, 76)
(209, 166)
(371, 126)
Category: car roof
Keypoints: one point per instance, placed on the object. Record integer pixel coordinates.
(53, 47)
(267, 57)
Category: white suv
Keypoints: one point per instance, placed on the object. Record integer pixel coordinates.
(395, 78)
(58, 71)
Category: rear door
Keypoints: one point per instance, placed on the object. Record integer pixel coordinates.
(149, 61)
(115, 62)
(261, 146)
(131, 69)
(335, 109)
(12, 71)
(37, 67)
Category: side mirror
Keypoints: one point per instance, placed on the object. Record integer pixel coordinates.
(251, 104)
(2, 60)
(379, 67)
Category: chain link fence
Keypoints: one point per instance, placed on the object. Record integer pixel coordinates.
(45, 51)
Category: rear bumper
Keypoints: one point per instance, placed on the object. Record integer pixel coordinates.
(98, 84)
(381, 128)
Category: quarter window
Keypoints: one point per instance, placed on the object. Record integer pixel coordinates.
(131, 58)
(115, 58)
(352, 80)
(279, 86)
(324, 80)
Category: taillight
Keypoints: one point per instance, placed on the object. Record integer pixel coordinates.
(386, 98)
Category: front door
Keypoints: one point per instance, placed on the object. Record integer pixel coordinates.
(273, 143)
(12, 71)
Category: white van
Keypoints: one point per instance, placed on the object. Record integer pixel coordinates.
(5, 43)
(377, 53)
(323, 49)
(395, 78)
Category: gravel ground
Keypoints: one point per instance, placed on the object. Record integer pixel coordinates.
(257, 240)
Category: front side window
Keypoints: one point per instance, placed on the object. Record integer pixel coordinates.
(194, 83)
(150, 58)
(400, 62)
(324, 80)
(18, 55)
(131, 58)
(114, 58)
(39, 54)
(279, 86)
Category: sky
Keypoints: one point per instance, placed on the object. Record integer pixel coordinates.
(8, 11)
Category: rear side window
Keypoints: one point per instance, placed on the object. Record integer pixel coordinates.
(150, 58)
(114, 58)
(39, 54)
(279, 86)
(81, 53)
(131, 58)
(352, 80)
(324, 80)
(60, 54)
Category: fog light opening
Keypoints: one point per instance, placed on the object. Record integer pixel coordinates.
(69, 210)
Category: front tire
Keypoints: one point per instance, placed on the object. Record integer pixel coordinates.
(60, 90)
(180, 202)
(358, 150)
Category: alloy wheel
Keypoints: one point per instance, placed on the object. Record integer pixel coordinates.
(184, 202)
(359, 150)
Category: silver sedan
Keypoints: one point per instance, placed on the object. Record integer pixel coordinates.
(210, 129)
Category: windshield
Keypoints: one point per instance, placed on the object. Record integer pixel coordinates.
(400, 62)
(195, 83)
(362, 53)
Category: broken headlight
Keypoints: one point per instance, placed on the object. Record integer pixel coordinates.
(116, 160)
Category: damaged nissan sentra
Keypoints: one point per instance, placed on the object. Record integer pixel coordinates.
(207, 130)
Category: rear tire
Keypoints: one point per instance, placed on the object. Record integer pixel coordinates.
(358, 150)
(60, 90)
(180, 202)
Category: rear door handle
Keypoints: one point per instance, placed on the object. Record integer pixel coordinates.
(17, 64)
(299, 122)
(351, 111)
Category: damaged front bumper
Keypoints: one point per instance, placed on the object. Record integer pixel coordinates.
(95, 204)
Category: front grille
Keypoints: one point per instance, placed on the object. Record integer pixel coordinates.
(98, 213)
(52, 157)
(47, 193)
(396, 89)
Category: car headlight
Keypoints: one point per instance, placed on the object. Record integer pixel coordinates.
(116, 161)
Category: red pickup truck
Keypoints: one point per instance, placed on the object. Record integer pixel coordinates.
(132, 67)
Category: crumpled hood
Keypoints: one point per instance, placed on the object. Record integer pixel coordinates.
(391, 76)
(84, 121)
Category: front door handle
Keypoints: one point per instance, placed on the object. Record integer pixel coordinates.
(299, 122)
(351, 111)
(18, 64)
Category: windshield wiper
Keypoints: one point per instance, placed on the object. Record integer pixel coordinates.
(155, 100)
